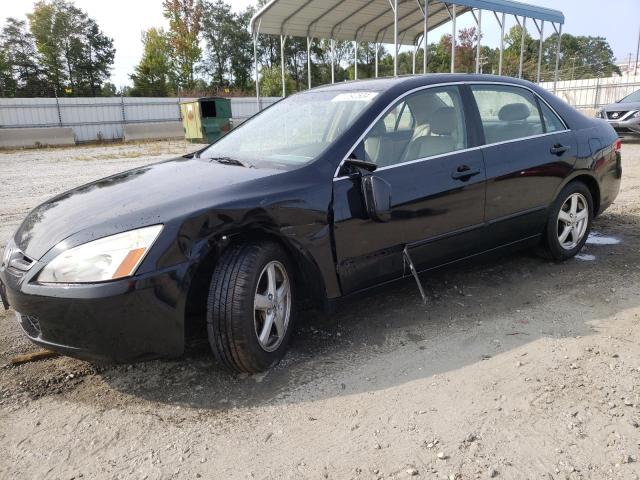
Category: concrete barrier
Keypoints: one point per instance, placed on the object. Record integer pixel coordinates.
(153, 131)
(36, 137)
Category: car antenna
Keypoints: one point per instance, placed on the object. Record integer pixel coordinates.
(407, 259)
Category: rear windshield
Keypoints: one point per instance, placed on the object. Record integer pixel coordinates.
(294, 131)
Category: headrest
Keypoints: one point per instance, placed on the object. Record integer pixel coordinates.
(443, 121)
(514, 112)
(378, 130)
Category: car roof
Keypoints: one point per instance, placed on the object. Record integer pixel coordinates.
(413, 81)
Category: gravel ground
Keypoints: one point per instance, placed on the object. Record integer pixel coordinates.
(517, 368)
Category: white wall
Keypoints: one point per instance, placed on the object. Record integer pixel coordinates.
(103, 117)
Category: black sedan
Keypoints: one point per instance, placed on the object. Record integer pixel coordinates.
(325, 194)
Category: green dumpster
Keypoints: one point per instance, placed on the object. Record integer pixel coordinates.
(207, 119)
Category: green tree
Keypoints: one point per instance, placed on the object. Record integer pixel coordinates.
(219, 32)
(580, 57)
(185, 24)
(271, 82)
(152, 76)
(74, 54)
(97, 56)
(7, 82)
(19, 71)
(108, 90)
(242, 58)
(48, 27)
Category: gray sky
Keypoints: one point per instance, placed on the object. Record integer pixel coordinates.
(124, 20)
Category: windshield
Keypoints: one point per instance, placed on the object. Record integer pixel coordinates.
(634, 97)
(294, 131)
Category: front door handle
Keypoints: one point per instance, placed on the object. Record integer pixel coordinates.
(464, 172)
(559, 149)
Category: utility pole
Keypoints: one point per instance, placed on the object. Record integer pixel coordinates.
(635, 72)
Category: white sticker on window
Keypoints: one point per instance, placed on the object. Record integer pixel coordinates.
(355, 97)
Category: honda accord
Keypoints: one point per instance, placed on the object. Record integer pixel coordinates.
(323, 195)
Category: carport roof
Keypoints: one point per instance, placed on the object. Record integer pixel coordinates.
(372, 20)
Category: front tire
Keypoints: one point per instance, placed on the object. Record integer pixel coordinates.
(569, 222)
(250, 307)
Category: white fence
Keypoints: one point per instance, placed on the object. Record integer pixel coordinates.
(103, 118)
(592, 93)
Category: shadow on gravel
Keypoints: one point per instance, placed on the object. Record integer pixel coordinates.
(475, 311)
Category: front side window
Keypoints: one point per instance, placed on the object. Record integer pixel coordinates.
(426, 123)
(294, 131)
(507, 113)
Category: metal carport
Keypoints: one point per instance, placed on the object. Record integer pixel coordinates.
(397, 22)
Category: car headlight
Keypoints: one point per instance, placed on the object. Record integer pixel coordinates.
(108, 258)
(6, 256)
(636, 115)
(599, 114)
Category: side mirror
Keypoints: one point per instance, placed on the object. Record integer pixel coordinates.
(376, 193)
(360, 165)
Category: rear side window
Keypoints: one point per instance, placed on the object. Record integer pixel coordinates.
(551, 120)
(507, 113)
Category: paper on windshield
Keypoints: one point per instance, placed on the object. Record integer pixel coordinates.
(355, 97)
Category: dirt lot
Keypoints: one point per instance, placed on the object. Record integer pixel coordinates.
(518, 368)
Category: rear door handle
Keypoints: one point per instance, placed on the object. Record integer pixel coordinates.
(559, 149)
(464, 172)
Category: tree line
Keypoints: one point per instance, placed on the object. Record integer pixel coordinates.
(61, 51)
(208, 49)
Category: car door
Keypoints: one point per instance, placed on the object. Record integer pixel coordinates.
(438, 190)
(528, 152)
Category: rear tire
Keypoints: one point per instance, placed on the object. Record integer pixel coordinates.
(569, 222)
(250, 307)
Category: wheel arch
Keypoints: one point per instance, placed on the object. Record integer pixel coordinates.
(306, 275)
(592, 184)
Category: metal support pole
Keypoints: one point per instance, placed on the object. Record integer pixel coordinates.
(479, 38)
(255, 61)
(524, 31)
(501, 44)
(425, 33)
(635, 72)
(540, 51)
(333, 61)
(55, 92)
(555, 77)
(395, 37)
(309, 61)
(377, 60)
(415, 52)
(284, 86)
(355, 59)
(453, 40)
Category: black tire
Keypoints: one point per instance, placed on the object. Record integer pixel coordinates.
(551, 243)
(230, 307)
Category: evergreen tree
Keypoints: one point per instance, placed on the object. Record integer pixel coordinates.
(153, 76)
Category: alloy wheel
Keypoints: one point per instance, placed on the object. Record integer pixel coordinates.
(573, 220)
(272, 306)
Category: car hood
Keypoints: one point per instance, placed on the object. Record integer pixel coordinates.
(622, 107)
(143, 196)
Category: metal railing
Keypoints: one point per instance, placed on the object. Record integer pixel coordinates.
(593, 93)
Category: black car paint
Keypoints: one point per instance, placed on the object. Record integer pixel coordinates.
(204, 206)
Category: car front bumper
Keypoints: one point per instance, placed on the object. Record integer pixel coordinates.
(120, 321)
(626, 127)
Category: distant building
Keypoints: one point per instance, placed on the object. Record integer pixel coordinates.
(628, 68)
